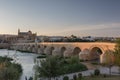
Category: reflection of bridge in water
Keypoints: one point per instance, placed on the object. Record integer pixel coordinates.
(86, 51)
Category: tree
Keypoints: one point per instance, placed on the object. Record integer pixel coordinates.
(50, 67)
(74, 59)
(117, 53)
(54, 66)
(8, 70)
(96, 72)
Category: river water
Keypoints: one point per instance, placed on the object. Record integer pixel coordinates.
(25, 59)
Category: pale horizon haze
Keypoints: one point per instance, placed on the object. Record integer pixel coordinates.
(61, 17)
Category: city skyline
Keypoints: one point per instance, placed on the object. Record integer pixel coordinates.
(61, 17)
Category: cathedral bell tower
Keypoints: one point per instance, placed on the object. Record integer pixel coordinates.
(18, 31)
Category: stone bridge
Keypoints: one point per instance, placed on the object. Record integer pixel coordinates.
(85, 50)
(4, 45)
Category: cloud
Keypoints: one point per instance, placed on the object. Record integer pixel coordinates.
(111, 29)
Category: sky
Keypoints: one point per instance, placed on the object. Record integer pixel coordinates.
(61, 17)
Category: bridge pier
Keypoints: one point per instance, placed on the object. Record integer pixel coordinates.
(68, 53)
(84, 55)
(56, 53)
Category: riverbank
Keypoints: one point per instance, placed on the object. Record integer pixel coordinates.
(9, 70)
(25, 59)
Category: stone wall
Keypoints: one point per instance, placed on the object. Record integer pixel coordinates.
(4, 45)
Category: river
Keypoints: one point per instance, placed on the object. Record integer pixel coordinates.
(25, 59)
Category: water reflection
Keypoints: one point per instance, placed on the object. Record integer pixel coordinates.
(25, 59)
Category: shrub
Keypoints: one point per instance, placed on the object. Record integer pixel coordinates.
(97, 72)
(71, 68)
(30, 78)
(80, 75)
(81, 60)
(42, 56)
(9, 70)
(66, 78)
(61, 66)
(91, 75)
(5, 58)
(74, 77)
(104, 75)
(95, 63)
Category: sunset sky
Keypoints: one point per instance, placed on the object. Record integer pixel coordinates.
(61, 17)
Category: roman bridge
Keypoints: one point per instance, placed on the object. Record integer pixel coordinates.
(85, 50)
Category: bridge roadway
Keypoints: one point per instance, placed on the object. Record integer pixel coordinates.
(85, 50)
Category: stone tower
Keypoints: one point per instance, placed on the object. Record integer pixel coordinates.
(18, 31)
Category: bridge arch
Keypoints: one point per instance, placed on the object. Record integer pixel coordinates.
(29, 48)
(51, 50)
(76, 51)
(28, 45)
(62, 50)
(33, 46)
(85, 51)
(38, 46)
(44, 46)
(95, 53)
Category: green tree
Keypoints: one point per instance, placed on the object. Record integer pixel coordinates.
(8, 70)
(11, 73)
(50, 67)
(73, 60)
(117, 53)
(54, 66)
(65, 78)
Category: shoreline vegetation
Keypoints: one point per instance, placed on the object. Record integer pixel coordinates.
(54, 66)
(9, 70)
